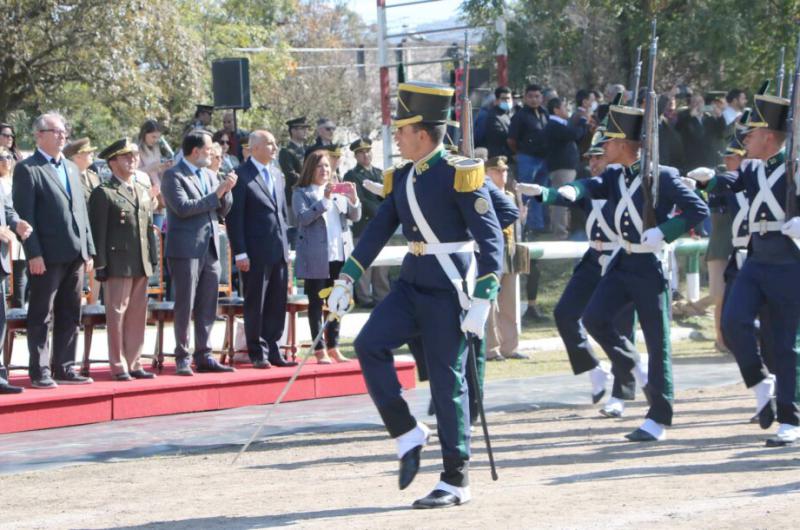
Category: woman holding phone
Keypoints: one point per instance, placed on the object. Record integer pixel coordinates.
(323, 210)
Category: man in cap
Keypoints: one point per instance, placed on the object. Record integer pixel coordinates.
(325, 130)
(121, 216)
(444, 210)
(292, 154)
(374, 283)
(634, 273)
(769, 275)
(579, 290)
(47, 193)
(81, 152)
(201, 120)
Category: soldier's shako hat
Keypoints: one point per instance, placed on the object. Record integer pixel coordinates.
(296, 123)
(81, 145)
(624, 123)
(596, 149)
(736, 145)
(361, 144)
(769, 112)
(122, 146)
(419, 102)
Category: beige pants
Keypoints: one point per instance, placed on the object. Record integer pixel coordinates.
(126, 316)
(502, 337)
(716, 279)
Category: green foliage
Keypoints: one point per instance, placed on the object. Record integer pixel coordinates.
(708, 44)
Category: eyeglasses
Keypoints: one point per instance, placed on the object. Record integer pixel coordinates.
(56, 132)
(7, 135)
(6, 157)
(224, 142)
(330, 128)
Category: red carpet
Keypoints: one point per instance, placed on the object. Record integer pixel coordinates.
(108, 400)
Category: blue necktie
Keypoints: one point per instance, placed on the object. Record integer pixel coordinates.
(202, 182)
(269, 183)
(62, 174)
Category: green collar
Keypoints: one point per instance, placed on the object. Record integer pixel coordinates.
(777, 159)
(429, 161)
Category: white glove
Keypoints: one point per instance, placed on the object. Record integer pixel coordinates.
(533, 190)
(373, 187)
(701, 174)
(568, 192)
(653, 238)
(791, 228)
(340, 298)
(475, 320)
(689, 183)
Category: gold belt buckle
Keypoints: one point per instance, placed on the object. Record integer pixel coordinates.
(417, 248)
(763, 226)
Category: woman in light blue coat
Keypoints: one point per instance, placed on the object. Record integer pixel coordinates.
(324, 241)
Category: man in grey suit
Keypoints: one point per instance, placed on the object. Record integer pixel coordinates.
(10, 227)
(195, 198)
(47, 193)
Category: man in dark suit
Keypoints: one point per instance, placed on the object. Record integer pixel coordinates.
(10, 226)
(257, 231)
(195, 197)
(47, 193)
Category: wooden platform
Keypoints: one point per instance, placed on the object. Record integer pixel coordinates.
(107, 400)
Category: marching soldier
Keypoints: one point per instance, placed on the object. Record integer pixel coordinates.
(634, 273)
(444, 210)
(769, 275)
(121, 216)
(585, 278)
(374, 284)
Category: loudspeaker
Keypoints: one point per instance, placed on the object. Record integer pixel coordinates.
(231, 79)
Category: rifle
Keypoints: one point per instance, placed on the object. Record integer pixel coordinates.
(781, 72)
(467, 147)
(637, 77)
(649, 160)
(793, 140)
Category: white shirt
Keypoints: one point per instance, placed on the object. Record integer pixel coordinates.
(730, 114)
(333, 224)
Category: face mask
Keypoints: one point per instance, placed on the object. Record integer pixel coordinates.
(505, 105)
(593, 107)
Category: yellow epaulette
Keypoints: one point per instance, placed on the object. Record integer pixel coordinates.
(388, 179)
(469, 173)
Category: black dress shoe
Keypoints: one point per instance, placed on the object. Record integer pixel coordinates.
(597, 397)
(262, 364)
(124, 376)
(71, 378)
(142, 374)
(766, 415)
(6, 388)
(610, 413)
(778, 442)
(437, 499)
(280, 361)
(212, 365)
(183, 367)
(640, 435)
(409, 465)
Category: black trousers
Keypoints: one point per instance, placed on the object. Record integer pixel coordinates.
(312, 288)
(265, 293)
(55, 301)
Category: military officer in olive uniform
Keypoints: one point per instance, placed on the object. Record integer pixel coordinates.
(81, 151)
(444, 292)
(374, 284)
(121, 216)
(291, 159)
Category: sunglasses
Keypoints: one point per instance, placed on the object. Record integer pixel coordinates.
(330, 128)
(6, 135)
(224, 142)
(6, 157)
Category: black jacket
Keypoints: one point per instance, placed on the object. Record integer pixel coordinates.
(562, 147)
(497, 124)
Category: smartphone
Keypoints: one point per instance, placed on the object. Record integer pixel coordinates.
(342, 188)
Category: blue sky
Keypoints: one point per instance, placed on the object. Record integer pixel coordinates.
(410, 15)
